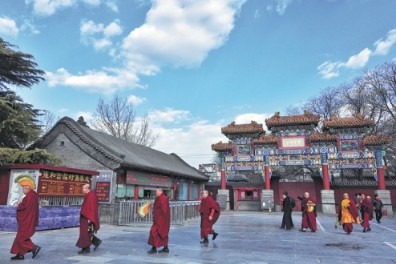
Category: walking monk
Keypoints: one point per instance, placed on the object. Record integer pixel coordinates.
(308, 208)
(89, 221)
(348, 214)
(161, 224)
(27, 218)
(210, 212)
(367, 213)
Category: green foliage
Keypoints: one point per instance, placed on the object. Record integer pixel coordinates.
(36, 156)
(17, 68)
(18, 121)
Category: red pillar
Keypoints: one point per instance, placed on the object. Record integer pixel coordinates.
(136, 195)
(381, 178)
(267, 178)
(325, 173)
(223, 179)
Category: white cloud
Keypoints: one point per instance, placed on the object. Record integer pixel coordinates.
(112, 6)
(99, 35)
(30, 27)
(169, 115)
(198, 137)
(8, 27)
(249, 117)
(105, 81)
(382, 47)
(180, 34)
(49, 7)
(279, 6)
(330, 69)
(359, 60)
(135, 100)
(175, 33)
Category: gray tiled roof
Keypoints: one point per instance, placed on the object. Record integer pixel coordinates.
(131, 155)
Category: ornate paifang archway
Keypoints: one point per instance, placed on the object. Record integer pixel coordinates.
(343, 143)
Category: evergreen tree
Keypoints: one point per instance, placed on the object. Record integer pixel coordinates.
(17, 68)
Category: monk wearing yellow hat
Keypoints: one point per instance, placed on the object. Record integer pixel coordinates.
(27, 219)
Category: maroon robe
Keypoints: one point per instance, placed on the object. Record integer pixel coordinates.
(89, 211)
(27, 219)
(308, 218)
(209, 207)
(367, 211)
(161, 222)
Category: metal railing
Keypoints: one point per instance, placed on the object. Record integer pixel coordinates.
(126, 212)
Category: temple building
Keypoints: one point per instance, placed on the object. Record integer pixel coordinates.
(126, 171)
(302, 153)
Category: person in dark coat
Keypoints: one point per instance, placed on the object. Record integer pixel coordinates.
(210, 212)
(159, 231)
(89, 221)
(287, 208)
(27, 218)
(378, 205)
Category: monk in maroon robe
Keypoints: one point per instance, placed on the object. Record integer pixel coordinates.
(161, 224)
(210, 212)
(308, 208)
(366, 208)
(27, 219)
(89, 221)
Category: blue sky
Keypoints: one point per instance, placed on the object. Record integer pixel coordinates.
(194, 66)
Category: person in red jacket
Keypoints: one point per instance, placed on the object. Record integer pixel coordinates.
(27, 218)
(210, 212)
(89, 221)
(159, 231)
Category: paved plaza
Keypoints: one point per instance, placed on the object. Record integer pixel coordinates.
(244, 237)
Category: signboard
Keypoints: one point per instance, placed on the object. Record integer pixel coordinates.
(222, 200)
(102, 191)
(15, 193)
(146, 179)
(104, 186)
(292, 142)
(53, 183)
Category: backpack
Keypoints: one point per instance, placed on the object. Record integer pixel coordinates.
(292, 202)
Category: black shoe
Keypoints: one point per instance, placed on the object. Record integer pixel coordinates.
(205, 241)
(153, 250)
(364, 230)
(97, 244)
(215, 235)
(84, 251)
(368, 229)
(18, 257)
(164, 250)
(35, 251)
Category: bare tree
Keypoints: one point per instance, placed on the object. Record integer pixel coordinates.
(327, 104)
(47, 120)
(118, 118)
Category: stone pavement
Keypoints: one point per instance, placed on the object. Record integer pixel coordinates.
(244, 237)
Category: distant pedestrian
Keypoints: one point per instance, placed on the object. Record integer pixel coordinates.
(159, 231)
(348, 214)
(367, 212)
(210, 212)
(377, 203)
(27, 218)
(89, 221)
(288, 203)
(308, 209)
